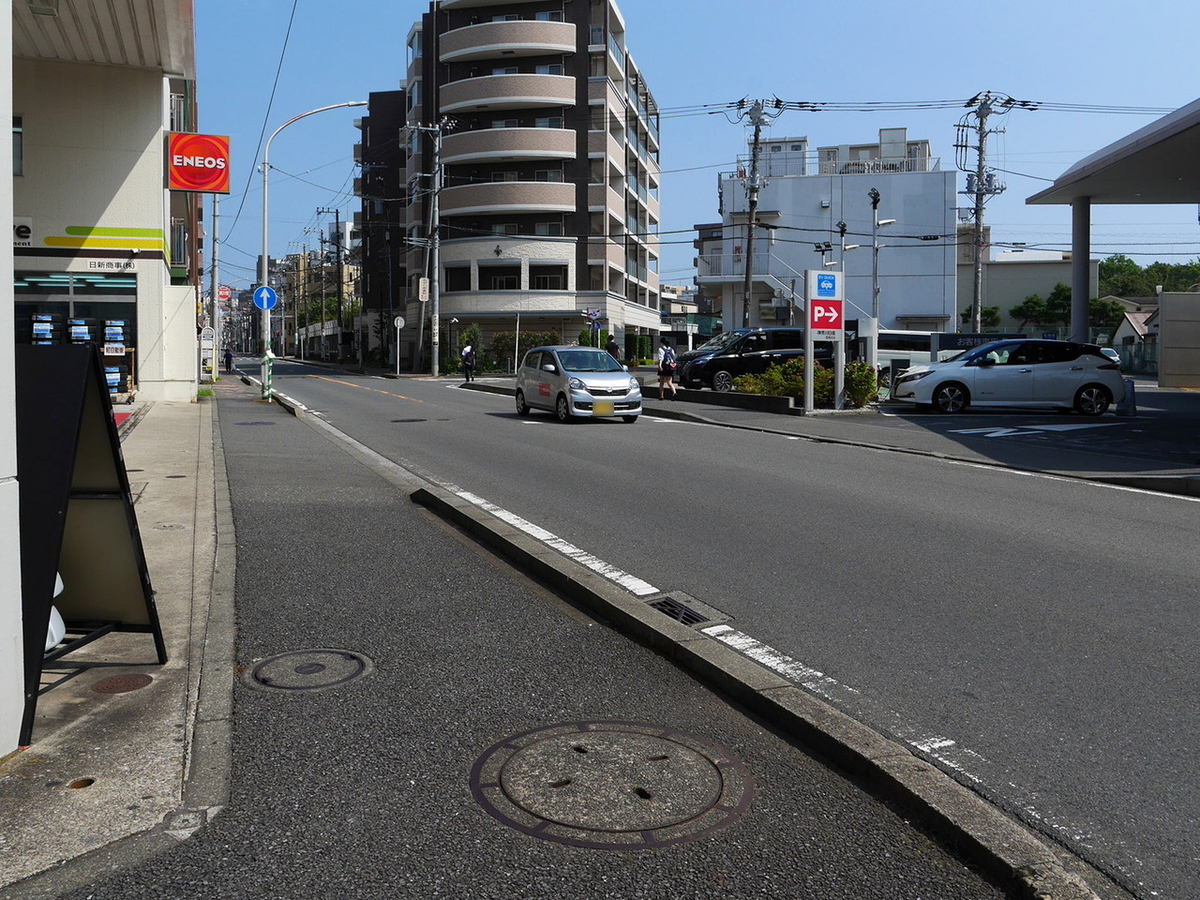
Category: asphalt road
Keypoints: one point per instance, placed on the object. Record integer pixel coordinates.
(1030, 635)
(366, 786)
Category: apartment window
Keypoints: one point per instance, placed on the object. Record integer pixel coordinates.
(500, 278)
(458, 278)
(550, 69)
(504, 176)
(414, 47)
(548, 229)
(548, 175)
(548, 278)
(505, 123)
(18, 146)
(549, 122)
(505, 228)
(553, 15)
(414, 94)
(505, 70)
(509, 17)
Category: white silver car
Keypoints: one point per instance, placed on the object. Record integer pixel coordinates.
(577, 381)
(1061, 374)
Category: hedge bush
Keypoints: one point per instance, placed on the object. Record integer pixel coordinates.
(787, 380)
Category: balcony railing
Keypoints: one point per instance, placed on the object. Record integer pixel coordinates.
(512, 39)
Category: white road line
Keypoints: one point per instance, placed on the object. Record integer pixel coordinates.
(631, 583)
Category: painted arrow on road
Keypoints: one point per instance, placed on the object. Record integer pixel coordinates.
(1031, 429)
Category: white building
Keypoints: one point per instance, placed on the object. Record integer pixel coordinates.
(95, 234)
(105, 240)
(549, 197)
(804, 201)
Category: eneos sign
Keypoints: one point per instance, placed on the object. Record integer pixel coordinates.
(198, 162)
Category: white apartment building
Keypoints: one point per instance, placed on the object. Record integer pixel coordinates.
(811, 205)
(548, 196)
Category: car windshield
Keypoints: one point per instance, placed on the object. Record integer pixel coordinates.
(586, 360)
(974, 352)
(719, 341)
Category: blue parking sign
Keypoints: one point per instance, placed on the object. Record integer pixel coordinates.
(827, 285)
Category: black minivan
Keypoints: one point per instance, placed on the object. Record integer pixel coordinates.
(745, 351)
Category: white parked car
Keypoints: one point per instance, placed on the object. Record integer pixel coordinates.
(1061, 374)
(577, 381)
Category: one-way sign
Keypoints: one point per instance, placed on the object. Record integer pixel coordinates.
(265, 297)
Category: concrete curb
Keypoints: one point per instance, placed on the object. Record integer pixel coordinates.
(1008, 851)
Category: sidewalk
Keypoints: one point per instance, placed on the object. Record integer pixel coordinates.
(105, 766)
(362, 789)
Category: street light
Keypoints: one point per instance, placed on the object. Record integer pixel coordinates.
(264, 262)
(876, 224)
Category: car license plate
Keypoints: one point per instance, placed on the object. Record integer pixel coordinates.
(603, 408)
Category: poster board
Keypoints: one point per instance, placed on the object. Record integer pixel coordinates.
(77, 516)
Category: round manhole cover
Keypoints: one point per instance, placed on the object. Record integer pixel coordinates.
(253, 423)
(121, 684)
(406, 421)
(612, 785)
(308, 670)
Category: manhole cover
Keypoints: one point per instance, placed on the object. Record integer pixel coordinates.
(253, 423)
(612, 785)
(121, 684)
(405, 421)
(309, 670)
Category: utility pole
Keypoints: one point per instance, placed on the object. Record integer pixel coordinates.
(753, 186)
(981, 181)
(337, 243)
(435, 227)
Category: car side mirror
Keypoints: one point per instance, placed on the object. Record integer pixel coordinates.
(985, 361)
(549, 367)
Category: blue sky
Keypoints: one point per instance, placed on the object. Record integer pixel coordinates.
(693, 52)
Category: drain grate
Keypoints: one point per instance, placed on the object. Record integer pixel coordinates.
(679, 611)
(612, 785)
(308, 670)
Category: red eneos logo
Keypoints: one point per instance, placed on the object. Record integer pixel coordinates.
(198, 162)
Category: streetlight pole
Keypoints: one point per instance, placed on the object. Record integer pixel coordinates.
(264, 261)
(876, 224)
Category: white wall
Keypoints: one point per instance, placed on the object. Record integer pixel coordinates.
(12, 669)
(94, 155)
(1179, 340)
(917, 278)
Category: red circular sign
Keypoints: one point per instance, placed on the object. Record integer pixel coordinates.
(198, 162)
(224, 292)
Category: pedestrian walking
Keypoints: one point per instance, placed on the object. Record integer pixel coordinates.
(666, 367)
(468, 361)
(228, 360)
(613, 349)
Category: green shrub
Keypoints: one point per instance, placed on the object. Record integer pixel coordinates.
(788, 381)
(862, 384)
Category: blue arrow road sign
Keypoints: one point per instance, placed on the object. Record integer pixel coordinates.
(265, 298)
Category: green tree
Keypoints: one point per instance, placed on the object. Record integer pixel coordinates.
(1058, 305)
(1031, 309)
(1105, 313)
(989, 316)
(1120, 276)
